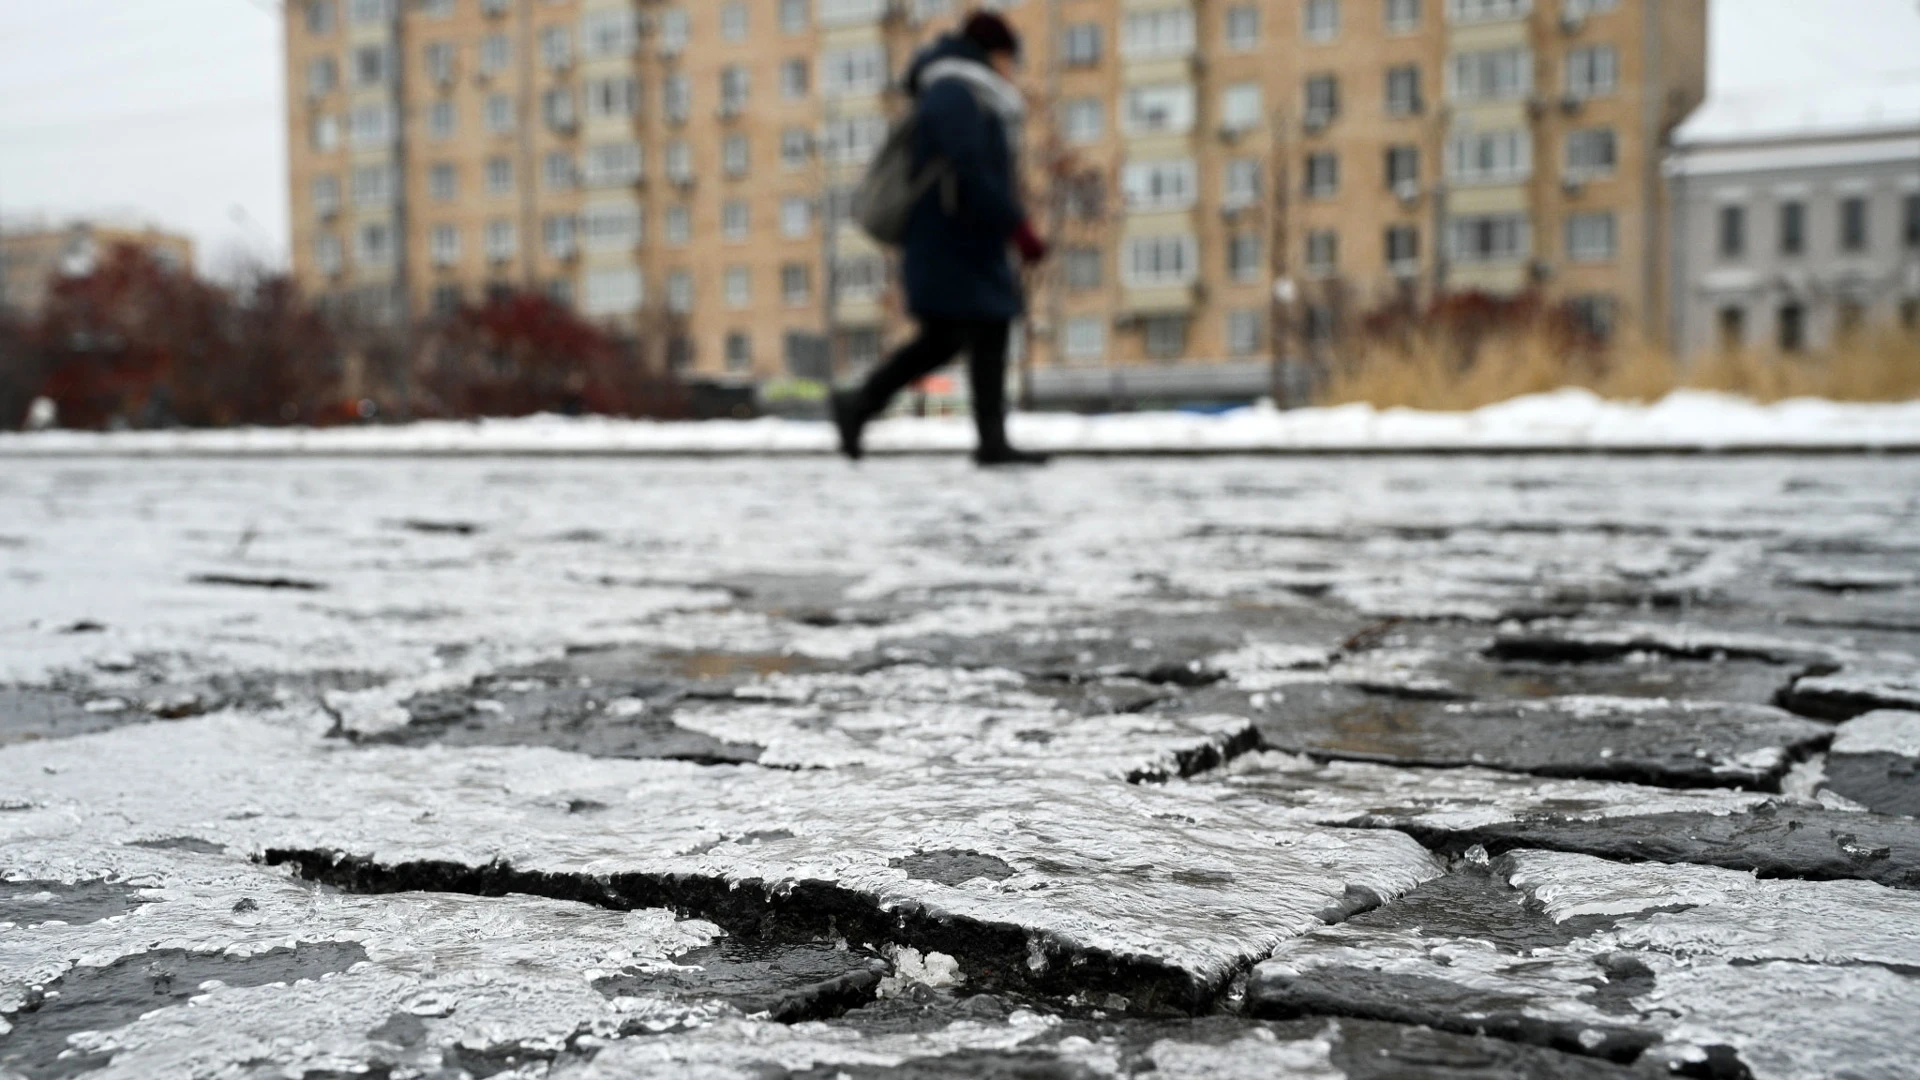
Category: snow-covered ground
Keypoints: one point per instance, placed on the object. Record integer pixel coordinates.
(1566, 419)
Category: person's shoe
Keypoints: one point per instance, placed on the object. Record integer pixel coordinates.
(847, 420)
(1008, 457)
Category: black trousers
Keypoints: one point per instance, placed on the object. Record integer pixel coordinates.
(940, 340)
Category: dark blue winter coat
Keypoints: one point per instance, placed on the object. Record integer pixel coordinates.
(955, 259)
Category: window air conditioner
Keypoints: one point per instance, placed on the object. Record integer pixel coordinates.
(1407, 191)
(1572, 23)
(1318, 119)
(1571, 103)
(1573, 186)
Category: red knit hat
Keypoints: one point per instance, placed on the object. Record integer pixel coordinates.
(991, 33)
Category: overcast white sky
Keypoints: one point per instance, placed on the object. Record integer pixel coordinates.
(170, 111)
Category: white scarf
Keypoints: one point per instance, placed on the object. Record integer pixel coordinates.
(997, 94)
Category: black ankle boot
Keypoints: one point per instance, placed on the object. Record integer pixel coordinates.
(1007, 457)
(849, 419)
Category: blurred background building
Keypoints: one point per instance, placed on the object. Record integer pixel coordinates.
(1222, 175)
(1797, 218)
(33, 257)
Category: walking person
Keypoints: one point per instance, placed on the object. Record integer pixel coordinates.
(962, 234)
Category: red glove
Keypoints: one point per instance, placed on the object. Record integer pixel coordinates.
(1032, 248)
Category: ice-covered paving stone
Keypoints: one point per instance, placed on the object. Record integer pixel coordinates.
(1678, 965)
(1158, 895)
(1875, 761)
(1455, 810)
(221, 965)
(910, 715)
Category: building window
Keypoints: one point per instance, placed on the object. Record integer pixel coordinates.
(680, 291)
(734, 218)
(853, 140)
(1323, 175)
(793, 16)
(1850, 320)
(1793, 328)
(1793, 228)
(1492, 157)
(1080, 46)
(499, 176)
(1323, 100)
(1492, 75)
(439, 57)
(1243, 332)
(373, 185)
(1477, 11)
(1085, 339)
(1910, 314)
(326, 253)
(559, 235)
(1160, 109)
(1240, 183)
(320, 16)
(1323, 252)
(853, 70)
(1162, 260)
(371, 11)
(1593, 71)
(442, 182)
(795, 79)
(679, 162)
(1157, 32)
(1322, 20)
(796, 284)
(1591, 152)
(502, 239)
(1241, 107)
(1403, 249)
(733, 155)
(499, 114)
(370, 125)
(739, 351)
(1489, 238)
(676, 98)
(796, 217)
(610, 227)
(1165, 336)
(796, 147)
(1594, 316)
(1911, 227)
(1403, 91)
(609, 34)
(371, 65)
(557, 106)
(1853, 224)
(1243, 27)
(679, 225)
(556, 47)
(617, 97)
(1733, 232)
(1081, 268)
(375, 247)
(733, 21)
(1159, 185)
(441, 120)
(1243, 256)
(1403, 169)
(733, 90)
(1083, 120)
(1403, 16)
(323, 74)
(557, 171)
(614, 292)
(1590, 237)
(1730, 329)
(496, 54)
(613, 164)
(324, 194)
(1580, 9)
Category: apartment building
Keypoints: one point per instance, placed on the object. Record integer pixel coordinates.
(32, 259)
(1222, 174)
(1797, 218)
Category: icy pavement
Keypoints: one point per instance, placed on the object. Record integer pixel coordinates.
(1356, 768)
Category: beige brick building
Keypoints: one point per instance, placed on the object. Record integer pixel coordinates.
(33, 258)
(692, 157)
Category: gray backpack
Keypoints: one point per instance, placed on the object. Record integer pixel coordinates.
(885, 197)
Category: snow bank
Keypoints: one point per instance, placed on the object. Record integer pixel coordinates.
(1564, 420)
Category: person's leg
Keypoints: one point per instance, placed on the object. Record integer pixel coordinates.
(987, 367)
(936, 343)
(987, 371)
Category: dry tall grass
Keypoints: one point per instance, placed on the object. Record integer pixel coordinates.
(1426, 372)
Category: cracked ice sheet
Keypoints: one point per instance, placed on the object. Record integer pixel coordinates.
(1804, 980)
(1138, 874)
(906, 716)
(479, 973)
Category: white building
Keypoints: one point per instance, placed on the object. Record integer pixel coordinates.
(1796, 217)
